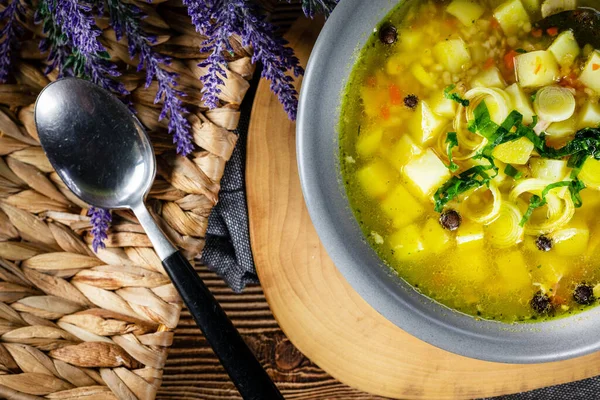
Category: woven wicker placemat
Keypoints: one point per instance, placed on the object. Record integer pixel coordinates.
(75, 324)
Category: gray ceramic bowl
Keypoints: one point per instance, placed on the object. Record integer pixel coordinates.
(330, 63)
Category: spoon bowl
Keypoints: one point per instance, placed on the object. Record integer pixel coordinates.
(98, 148)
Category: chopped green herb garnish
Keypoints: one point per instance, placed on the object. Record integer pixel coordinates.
(513, 172)
(521, 51)
(585, 144)
(575, 186)
(470, 179)
(450, 95)
(451, 142)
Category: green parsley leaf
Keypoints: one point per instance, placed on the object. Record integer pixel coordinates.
(451, 142)
(512, 172)
(455, 96)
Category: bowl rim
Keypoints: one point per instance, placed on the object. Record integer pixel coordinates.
(330, 63)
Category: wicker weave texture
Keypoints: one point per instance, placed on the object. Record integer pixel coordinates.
(80, 325)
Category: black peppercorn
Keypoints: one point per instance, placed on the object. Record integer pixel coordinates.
(544, 243)
(584, 294)
(411, 101)
(388, 34)
(541, 304)
(450, 219)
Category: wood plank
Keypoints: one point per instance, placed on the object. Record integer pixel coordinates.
(193, 372)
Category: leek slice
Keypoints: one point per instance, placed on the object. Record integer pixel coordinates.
(560, 205)
(497, 100)
(468, 143)
(505, 230)
(476, 204)
(554, 104)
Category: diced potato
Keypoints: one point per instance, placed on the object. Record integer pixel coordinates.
(469, 234)
(425, 125)
(402, 207)
(435, 238)
(410, 39)
(551, 7)
(590, 173)
(549, 170)
(571, 241)
(489, 78)
(532, 6)
(521, 102)
(394, 65)
(565, 49)
(466, 11)
(452, 54)
(426, 172)
(515, 152)
(368, 141)
(513, 269)
(376, 178)
(563, 129)
(590, 76)
(470, 266)
(589, 117)
(511, 16)
(536, 69)
(422, 75)
(443, 106)
(372, 100)
(402, 151)
(407, 243)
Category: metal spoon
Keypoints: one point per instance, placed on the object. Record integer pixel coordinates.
(584, 22)
(102, 153)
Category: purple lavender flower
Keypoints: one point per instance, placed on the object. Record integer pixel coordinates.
(218, 20)
(9, 35)
(312, 7)
(72, 39)
(100, 219)
(126, 19)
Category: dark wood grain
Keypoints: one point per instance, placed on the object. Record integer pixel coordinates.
(193, 371)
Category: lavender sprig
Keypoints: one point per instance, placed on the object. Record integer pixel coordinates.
(100, 219)
(9, 34)
(72, 39)
(126, 19)
(218, 20)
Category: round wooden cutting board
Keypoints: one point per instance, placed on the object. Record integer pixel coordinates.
(319, 311)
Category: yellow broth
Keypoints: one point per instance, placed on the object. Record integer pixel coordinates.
(463, 269)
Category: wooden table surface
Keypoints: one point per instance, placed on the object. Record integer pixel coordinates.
(193, 372)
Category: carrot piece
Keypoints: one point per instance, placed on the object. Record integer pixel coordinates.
(494, 23)
(395, 95)
(537, 33)
(371, 81)
(595, 67)
(552, 31)
(385, 112)
(489, 63)
(509, 59)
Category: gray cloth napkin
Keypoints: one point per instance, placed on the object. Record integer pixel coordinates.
(228, 253)
(227, 245)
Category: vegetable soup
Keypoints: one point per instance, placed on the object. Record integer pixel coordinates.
(469, 145)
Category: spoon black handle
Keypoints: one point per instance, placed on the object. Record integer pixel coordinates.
(245, 371)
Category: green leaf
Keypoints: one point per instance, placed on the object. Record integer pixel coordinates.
(455, 96)
(451, 142)
(457, 185)
(513, 172)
